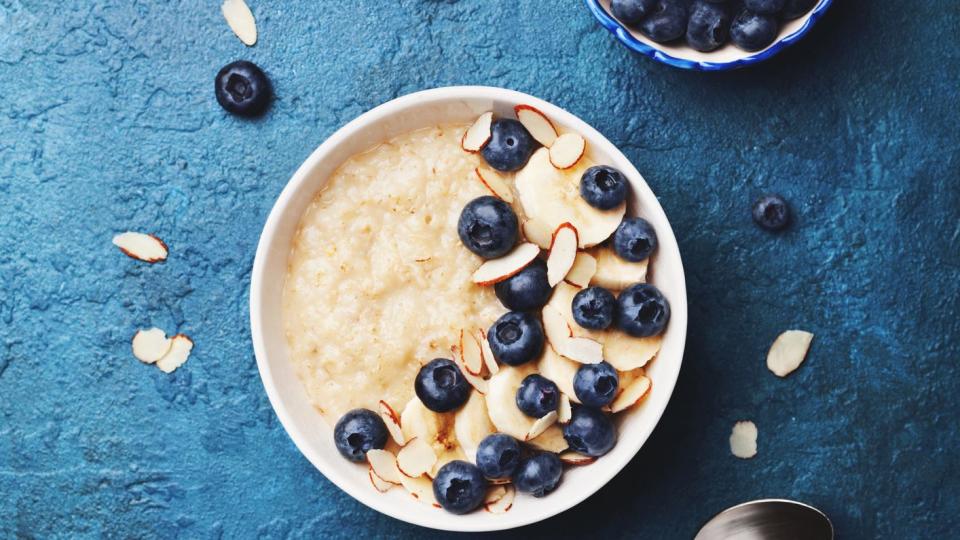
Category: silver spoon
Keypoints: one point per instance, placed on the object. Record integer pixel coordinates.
(768, 519)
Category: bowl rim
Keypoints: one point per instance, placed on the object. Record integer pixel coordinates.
(265, 250)
(634, 44)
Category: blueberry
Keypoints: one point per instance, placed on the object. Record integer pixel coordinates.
(357, 432)
(537, 395)
(510, 145)
(590, 432)
(488, 227)
(459, 487)
(539, 474)
(795, 8)
(603, 187)
(634, 240)
(593, 308)
(771, 212)
(516, 338)
(630, 12)
(596, 384)
(752, 31)
(242, 88)
(708, 27)
(498, 455)
(642, 310)
(666, 23)
(765, 7)
(441, 386)
(526, 290)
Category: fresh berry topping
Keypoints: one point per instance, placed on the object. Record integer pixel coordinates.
(635, 239)
(441, 386)
(708, 27)
(488, 227)
(596, 384)
(539, 474)
(593, 308)
(603, 187)
(357, 432)
(771, 212)
(516, 338)
(242, 88)
(459, 487)
(667, 22)
(537, 396)
(631, 12)
(795, 8)
(752, 31)
(510, 145)
(498, 455)
(527, 290)
(590, 432)
(642, 310)
(764, 7)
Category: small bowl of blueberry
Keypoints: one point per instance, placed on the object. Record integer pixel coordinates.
(708, 35)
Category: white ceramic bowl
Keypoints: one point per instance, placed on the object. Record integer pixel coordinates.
(310, 432)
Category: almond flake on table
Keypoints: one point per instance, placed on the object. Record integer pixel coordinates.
(241, 21)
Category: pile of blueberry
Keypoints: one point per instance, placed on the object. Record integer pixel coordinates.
(707, 25)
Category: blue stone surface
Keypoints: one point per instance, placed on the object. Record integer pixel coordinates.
(108, 123)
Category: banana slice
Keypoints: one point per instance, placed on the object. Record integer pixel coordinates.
(551, 440)
(560, 370)
(614, 273)
(502, 401)
(551, 197)
(624, 352)
(472, 425)
(435, 428)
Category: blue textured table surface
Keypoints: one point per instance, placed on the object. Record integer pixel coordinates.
(108, 122)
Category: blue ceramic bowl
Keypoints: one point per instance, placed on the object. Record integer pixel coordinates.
(683, 57)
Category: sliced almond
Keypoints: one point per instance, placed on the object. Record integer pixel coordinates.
(241, 21)
(471, 355)
(150, 345)
(743, 439)
(379, 484)
(573, 458)
(558, 332)
(564, 410)
(495, 493)
(499, 481)
(384, 464)
(541, 425)
(563, 251)
(478, 134)
(416, 458)
(537, 123)
(180, 347)
(421, 488)
(788, 352)
(560, 370)
(632, 394)
(495, 183)
(567, 150)
(555, 326)
(476, 381)
(504, 503)
(538, 233)
(143, 247)
(488, 359)
(392, 420)
(497, 270)
(582, 271)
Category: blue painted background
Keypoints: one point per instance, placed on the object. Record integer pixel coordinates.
(108, 123)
